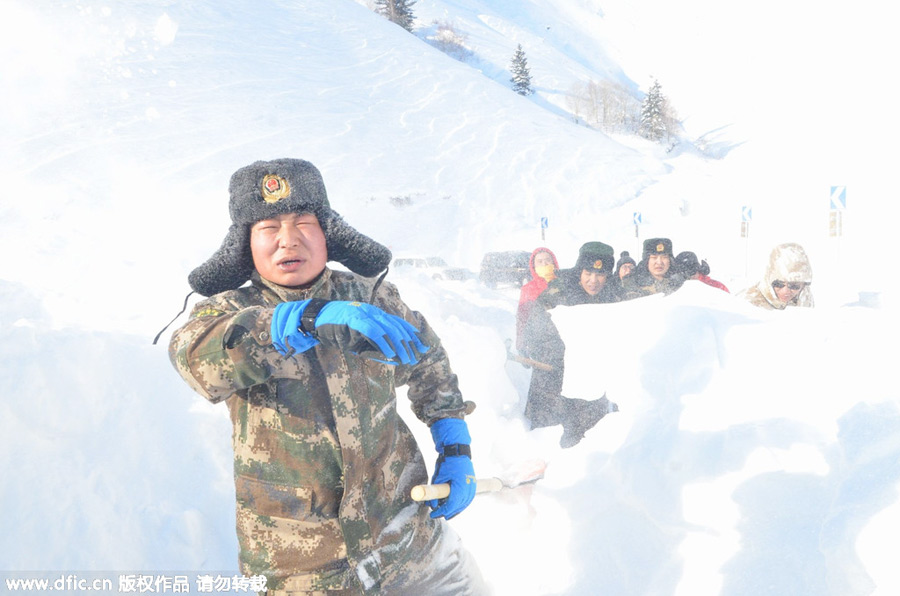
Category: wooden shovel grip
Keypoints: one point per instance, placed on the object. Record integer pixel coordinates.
(427, 492)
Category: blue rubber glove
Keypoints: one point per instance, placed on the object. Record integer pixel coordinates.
(286, 326)
(357, 327)
(451, 437)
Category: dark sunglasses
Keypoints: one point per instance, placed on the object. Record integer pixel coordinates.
(794, 286)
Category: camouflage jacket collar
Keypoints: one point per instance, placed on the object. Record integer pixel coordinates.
(286, 294)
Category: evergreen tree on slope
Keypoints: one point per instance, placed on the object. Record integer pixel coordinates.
(397, 11)
(521, 78)
(653, 111)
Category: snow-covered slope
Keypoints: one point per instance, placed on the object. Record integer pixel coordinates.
(121, 124)
(151, 108)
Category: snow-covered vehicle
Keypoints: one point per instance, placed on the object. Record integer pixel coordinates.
(435, 267)
(506, 267)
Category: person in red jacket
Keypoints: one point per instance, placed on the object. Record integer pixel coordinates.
(687, 264)
(544, 267)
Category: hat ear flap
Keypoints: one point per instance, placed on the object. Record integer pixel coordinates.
(356, 251)
(228, 268)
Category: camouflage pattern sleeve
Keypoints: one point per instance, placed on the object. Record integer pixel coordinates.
(553, 296)
(433, 388)
(224, 347)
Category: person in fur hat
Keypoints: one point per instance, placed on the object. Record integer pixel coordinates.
(786, 282)
(585, 283)
(690, 267)
(654, 274)
(306, 358)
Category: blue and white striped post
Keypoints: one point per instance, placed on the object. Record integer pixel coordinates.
(746, 218)
(838, 200)
(838, 203)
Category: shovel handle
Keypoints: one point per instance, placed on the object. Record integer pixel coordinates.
(528, 361)
(427, 492)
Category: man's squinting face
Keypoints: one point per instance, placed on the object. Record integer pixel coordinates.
(592, 281)
(658, 265)
(289, 249)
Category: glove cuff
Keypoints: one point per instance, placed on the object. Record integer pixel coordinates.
(457, 449)
(310, 313)
(450, 431)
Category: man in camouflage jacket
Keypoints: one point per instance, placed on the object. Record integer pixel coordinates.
(654, 274)
(586, 283)
(323, 463)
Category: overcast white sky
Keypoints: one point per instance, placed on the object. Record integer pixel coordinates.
(807, 86)
(725, 61)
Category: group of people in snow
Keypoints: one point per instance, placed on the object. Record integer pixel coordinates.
(597, 278)
(307, 360)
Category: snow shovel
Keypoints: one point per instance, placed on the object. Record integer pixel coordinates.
(510, 355)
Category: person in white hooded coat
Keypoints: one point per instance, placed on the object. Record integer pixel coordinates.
(786, 282)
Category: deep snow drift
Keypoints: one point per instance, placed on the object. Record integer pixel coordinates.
(754, 452)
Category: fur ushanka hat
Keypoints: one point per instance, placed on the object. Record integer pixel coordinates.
(688, 264)
(266, 189)
(657, 246)
(595, 256)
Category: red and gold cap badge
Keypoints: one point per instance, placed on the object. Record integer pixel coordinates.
(598, 264)
(660, 247)
(274, 188)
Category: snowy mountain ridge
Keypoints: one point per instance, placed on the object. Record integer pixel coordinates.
(753, 451)
(159, 70)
